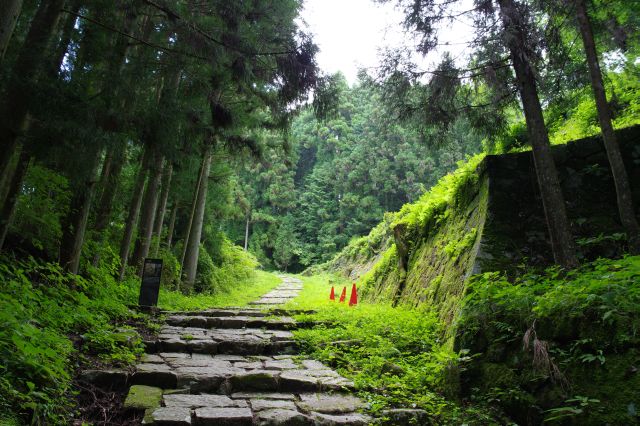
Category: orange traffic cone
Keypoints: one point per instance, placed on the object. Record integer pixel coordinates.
(343, 295)
(353, 300)
(332, 296)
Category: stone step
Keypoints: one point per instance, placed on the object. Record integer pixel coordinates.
(229, 312)
(246, 312)
(238, 321)
(266, 301)
(246, 408)
(242, 341)
(228, 374)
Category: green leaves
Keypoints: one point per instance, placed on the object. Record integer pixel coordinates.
(40, 307)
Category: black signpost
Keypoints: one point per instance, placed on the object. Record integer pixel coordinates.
(151, 273)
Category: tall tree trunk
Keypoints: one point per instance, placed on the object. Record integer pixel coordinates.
(132, 216)
(246, 233)
(172, 224)
(109, 187)
(192, 213)
(14, 111)
(552, 200)
(9, 12)
(162, 207)
(5, 180)
(193, 243)
(75, 224)
(147, 214)
(9, 206)
(106, 170)
(77, 220)
(620, 178)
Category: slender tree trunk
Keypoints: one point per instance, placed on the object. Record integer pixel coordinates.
(106, 170)
(109, 187)
(192, 213)
(172, 224)
(5, 180)
(552, 200)
(9, 206)
(132, 216)
(162, 207)
(193, 243)
(15, 106)
(620, 178)
(246, 234)
(75, 224)
(147, 214)
(9, 12)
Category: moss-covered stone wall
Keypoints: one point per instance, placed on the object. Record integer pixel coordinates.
(489, 219)
(515, 232)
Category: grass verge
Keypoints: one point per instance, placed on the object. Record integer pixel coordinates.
(239, 295)
(392, 354)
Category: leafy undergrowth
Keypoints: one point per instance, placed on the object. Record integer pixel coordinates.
(557, 347)
(393, 354)
(239, 294)
(50, 323)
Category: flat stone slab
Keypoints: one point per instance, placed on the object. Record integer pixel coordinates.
(270, 404)
(329, 404)
(279, 416)
(271, 301)
(171, 416)
(208, 416)
(242, 341)
(197, 401)
(263, 395)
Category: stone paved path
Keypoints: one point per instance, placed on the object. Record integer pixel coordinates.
(238, 367)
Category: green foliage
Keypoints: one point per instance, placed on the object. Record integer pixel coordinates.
(170, 270)
(234, 265)
(393, 355)
(348, 170)
(580, 120)
(431, 207)
(236, 293)
(42, 204)
(40, 307)
(581, 328)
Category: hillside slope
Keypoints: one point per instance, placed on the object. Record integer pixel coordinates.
(487, 216)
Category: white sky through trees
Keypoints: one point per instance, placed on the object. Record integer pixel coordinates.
(351, 32)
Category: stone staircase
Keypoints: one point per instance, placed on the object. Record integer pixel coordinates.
(238, 367)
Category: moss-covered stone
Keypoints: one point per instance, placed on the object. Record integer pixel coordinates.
(142, 397)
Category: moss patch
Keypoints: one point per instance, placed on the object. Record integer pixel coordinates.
(143, 397)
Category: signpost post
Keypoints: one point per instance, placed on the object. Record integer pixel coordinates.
(150, 286)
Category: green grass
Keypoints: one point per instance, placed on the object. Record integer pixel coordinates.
(239, 295)
(393, 354)
(315, 293)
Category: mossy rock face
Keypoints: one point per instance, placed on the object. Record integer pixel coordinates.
(142, 397)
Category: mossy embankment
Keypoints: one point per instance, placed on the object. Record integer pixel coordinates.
(487, 217)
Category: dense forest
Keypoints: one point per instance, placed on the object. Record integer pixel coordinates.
(205, 134)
